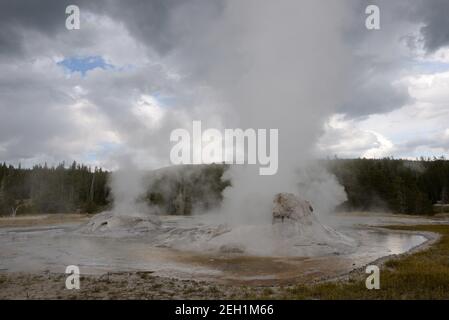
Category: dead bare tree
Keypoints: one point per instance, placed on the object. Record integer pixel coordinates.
(16, 208)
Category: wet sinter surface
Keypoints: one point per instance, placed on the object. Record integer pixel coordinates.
(52, 248)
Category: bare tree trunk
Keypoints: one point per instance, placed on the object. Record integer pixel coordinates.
(92, 185)
(15, 209)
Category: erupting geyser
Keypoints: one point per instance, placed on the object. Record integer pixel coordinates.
(295, 231)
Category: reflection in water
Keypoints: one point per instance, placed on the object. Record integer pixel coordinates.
(401, 242)
(377, 244)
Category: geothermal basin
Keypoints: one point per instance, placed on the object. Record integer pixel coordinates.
(194, 248)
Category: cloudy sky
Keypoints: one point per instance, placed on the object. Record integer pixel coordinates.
(135, 70)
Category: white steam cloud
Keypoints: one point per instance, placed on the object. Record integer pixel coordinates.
(267, 65)
(292, 81)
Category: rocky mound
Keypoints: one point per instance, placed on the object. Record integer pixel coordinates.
(295, 221)
(289, 206)
(108, 223)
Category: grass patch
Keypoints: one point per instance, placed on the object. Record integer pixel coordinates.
(423, 275)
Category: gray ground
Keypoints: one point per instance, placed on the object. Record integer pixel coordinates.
(161, 273)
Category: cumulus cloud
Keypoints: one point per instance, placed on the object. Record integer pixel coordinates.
(50, 113)
(344, 139)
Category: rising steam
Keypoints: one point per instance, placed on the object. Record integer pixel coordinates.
(266, 65)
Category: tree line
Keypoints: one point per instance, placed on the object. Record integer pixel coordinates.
(79, 188)
(399, 186)
(56, 189)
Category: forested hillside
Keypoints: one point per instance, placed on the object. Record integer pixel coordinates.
(52, 189)
(400, 186)
(78, 188)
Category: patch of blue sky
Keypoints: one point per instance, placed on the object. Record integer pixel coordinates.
(84, 64)
(430, 67)
(164, 100)
(102, 149)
